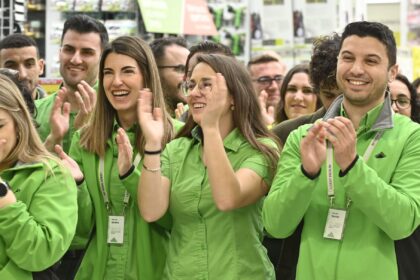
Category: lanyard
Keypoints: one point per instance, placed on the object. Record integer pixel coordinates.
(101, 173)
(330, 173)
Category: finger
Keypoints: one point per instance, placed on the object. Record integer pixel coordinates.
(84, 96)
(89, 95)
(157, 114)
(145, 100)
(271, 111)
(60, 152)
(80, 102)
(66, 109)
(180, 107)
(177, 113)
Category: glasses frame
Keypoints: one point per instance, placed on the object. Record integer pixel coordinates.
(180, 68)
(269, 80)
(398, 105)
(186, 91)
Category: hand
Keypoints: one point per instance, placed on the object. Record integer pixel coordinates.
(70, 163)
(86, 100)
(217, 103)
(342, 135)
(313, 149)
(125, 152)
(267, 113)
(180, 109)
(150, 120)
(59, 119)
(8, 199)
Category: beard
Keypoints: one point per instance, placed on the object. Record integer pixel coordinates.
(172, 95)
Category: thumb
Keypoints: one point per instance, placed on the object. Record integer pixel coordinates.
(66, 109)
(270, 111)
(59, 151)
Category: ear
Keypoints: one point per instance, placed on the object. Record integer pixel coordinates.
(41, 65)
(392, 72)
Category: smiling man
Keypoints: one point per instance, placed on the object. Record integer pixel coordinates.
(62, 113)
(352, 177)
(20, 52)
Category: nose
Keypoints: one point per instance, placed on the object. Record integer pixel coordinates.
(298, 95)
(23, 74)
(76, 58)
(117, 80)
(357, 68)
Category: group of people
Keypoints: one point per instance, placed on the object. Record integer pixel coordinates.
(155, 161)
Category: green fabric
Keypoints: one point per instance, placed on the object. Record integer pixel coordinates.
(385, 194)
(205, 242)
(37, 230)
(143, 254)
(42, 118)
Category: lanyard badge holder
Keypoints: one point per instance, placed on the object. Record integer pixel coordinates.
(336, 218)
(115, 222)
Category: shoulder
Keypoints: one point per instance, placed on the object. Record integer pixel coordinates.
(283, 129)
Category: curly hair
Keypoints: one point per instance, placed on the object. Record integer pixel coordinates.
(323, 65)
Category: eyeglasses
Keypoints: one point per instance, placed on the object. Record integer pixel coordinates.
(204, 86)
(180, 68)
(266, 81)
(402, 102)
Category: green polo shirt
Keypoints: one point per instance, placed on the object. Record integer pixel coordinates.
(42, 118)
(142, 255)
(207, 243)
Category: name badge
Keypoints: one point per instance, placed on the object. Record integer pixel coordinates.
(115, 229)
(334, 228)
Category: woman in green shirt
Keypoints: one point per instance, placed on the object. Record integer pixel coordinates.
(214, 175)
(122, 245)
(38, 200)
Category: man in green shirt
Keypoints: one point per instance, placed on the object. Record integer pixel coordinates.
(352, 177)
(62, 113)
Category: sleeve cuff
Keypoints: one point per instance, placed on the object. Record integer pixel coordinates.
(78, 183)
(128, 173)
(311, 177)
(344, 173)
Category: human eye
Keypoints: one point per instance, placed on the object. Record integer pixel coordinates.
(30, 64)
(67, 49)
(403, 101)
(179, 68)
(263, 79)
(278, 78)
(190, 85)
(372, 61)
(291, 89)
(11, 65)
(307, 90)
(88, 52)
(346, 57)
(107, 72)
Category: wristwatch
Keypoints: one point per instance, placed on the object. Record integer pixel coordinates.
(4, 188)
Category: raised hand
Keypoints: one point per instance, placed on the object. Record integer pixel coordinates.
(267, 113)
(86, 100)
(342, 135)
(59, 120)
(180, 109)
(313, 148)
(217, 102)
(125, 152)
(150, 120)
(70, 163)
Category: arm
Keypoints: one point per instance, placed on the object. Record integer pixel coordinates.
(153, 190)
(291, 192)
(231, 190)
(38, 232)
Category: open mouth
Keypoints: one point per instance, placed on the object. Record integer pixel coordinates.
(120, 93)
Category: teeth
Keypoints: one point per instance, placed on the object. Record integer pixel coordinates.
(357, 83)
(119, 93)
(200, 105)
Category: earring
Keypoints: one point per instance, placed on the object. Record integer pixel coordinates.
(232, 107)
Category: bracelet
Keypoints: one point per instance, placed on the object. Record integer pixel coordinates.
(153, 170)
(152, 152)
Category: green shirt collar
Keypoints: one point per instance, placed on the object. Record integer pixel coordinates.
(231, 142)
(378, 118)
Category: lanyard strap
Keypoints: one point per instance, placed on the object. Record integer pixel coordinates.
(101, 173)
(330, 172)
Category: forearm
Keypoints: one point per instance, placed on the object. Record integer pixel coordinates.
(153, 196)
(224, 184)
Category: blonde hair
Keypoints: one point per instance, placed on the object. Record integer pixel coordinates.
(29, 147)
(95, 134)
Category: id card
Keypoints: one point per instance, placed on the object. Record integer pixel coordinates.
(115, 229)
(334, 228)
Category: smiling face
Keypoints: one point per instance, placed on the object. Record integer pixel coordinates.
(300, 99)
(362, 71)
(401, 95)
(200, 86)
(79, 58)
(8, 136)
(122, 82)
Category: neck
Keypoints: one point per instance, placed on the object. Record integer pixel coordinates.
(356, 112)
(127, 119)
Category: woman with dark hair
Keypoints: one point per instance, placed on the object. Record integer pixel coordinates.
(214, 175)
(120, 244)
(38, 196)
(297, 96)
(403, 97)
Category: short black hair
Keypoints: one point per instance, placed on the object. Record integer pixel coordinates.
(413, 96)
(323, 64)
(263, 58)
(416, 83)
(159, 45)
(18, 40)
(85, 24)
(376, 30)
